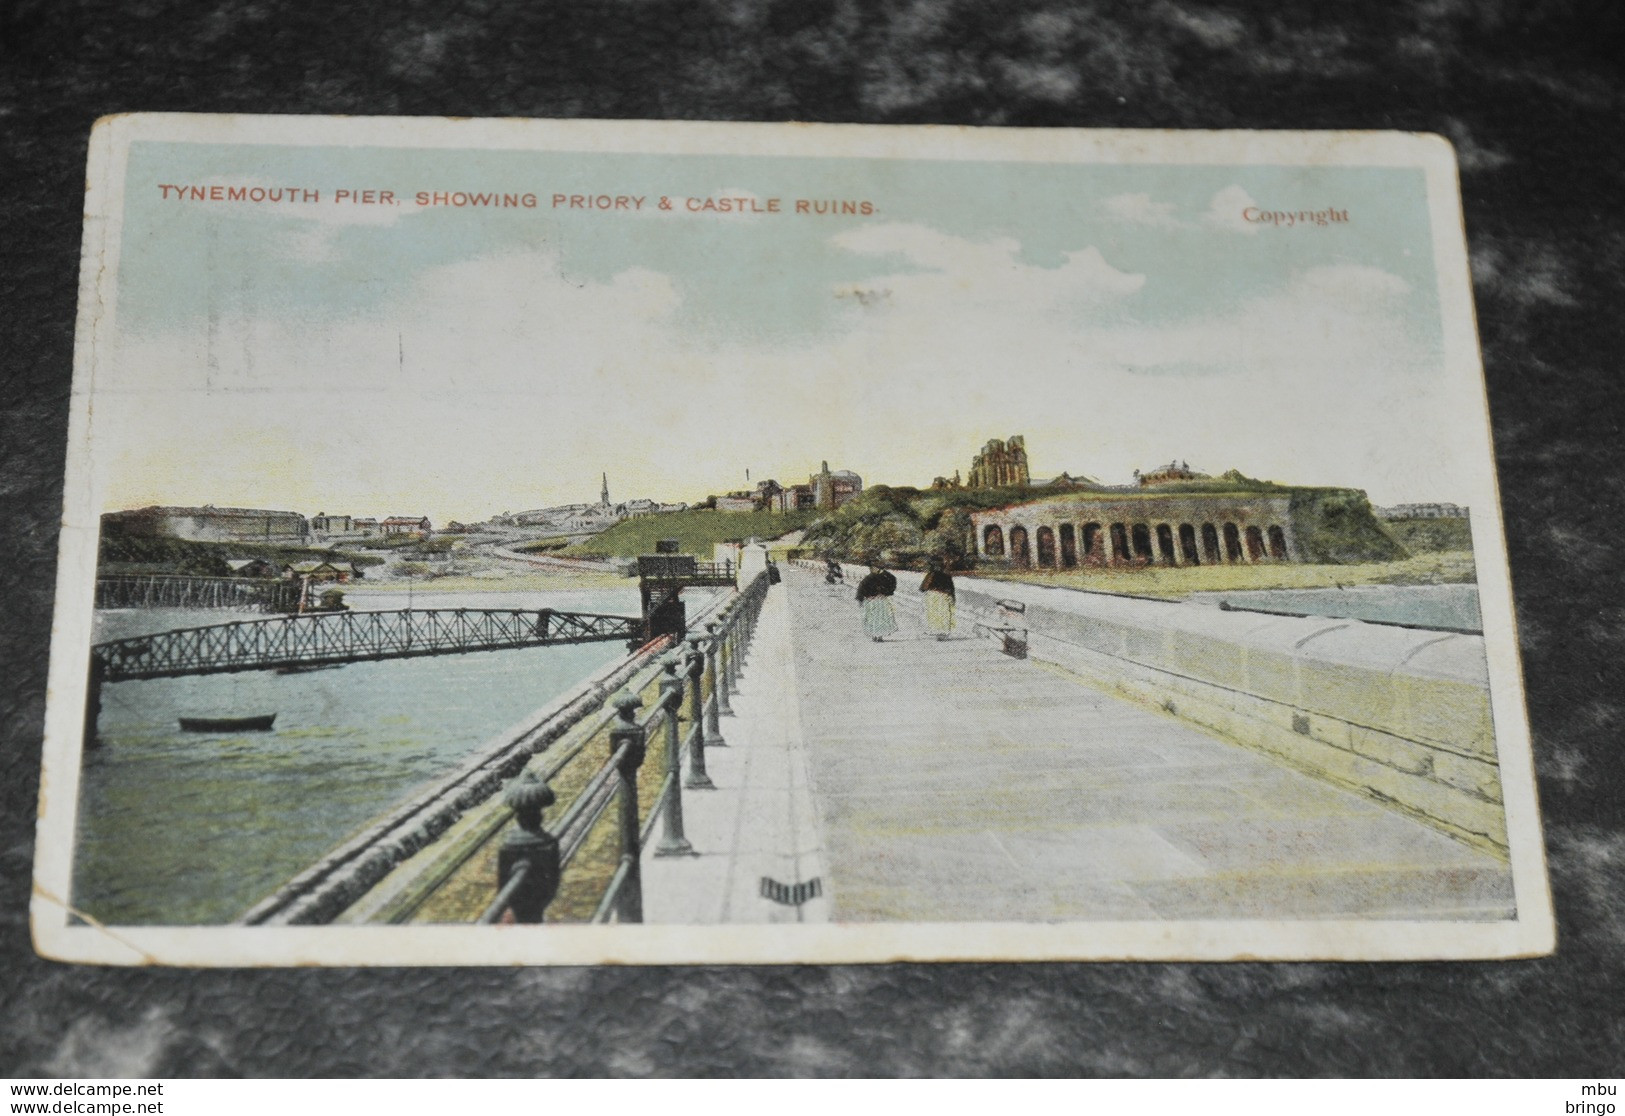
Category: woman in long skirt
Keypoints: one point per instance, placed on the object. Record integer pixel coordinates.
(938, 591)
(874, 594)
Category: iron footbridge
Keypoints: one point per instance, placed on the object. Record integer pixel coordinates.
(335, 638)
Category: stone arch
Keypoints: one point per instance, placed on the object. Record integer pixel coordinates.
(1255, 545)
(1069, 546)
(1140, 535)
(1187, 545)
(1120, 552)
(1210, 544)
(1278, 544)
(1232, 544)
(993, 541)
(1046, 547)
(1165, 545)
(1094, 546)
(1018, 546)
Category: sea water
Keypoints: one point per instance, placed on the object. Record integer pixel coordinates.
(1449, 607)
(193, 828)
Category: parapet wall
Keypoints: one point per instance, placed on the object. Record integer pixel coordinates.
(1398, 715)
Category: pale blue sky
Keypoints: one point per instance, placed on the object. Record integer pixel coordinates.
(1193, 268)
(1055, 300)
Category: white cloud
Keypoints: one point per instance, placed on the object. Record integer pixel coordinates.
(1344, 322)
(487, 375)
(520, 383)
(984, 275)
(1226, 208)
(1139, 209)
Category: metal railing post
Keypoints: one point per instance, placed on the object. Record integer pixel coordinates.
(713, 730)
(626, 739)
(720, 682)
(93, 699)
(530, 848)
(697, 777)
(750, 613)
(673, 841)
(730, 635)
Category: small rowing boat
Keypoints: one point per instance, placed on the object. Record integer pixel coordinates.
(228, 724)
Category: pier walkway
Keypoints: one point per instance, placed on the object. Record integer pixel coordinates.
(925, 780)
(759, 823)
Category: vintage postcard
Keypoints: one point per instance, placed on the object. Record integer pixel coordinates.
(505, 542)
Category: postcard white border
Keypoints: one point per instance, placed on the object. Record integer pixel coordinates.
(1531, 933)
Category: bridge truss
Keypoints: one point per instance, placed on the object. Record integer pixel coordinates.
(335, 638)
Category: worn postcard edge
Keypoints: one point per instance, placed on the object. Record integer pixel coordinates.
(1530, 933)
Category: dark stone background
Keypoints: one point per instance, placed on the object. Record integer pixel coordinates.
(1531, 93)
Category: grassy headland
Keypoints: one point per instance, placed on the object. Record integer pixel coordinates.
(907, 526)
(1420, 535)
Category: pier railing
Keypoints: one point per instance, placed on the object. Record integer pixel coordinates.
(455, 823)
(647, 723)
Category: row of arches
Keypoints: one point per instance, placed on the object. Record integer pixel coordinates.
(1139, 544)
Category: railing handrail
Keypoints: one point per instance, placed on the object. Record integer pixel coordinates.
(340, 878)
(499, 905)
(437, 806)
(723, 637)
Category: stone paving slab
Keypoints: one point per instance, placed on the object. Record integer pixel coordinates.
(955, 783)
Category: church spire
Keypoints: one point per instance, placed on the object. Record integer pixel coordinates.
(603, 496)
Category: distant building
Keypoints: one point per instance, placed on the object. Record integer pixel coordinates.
(1117, 528)
(323, 524)
(397, 525)
(940, 483)
(1422, 511)
(737, 502)
(1064, 480)
(586, 518)
(252, 567)
(590, 518)
(208, 524)
(1171, 473)
(825, 490)
(831, 489)
(1001, 464)
(795, 497)
(366, 527)
(320, 572)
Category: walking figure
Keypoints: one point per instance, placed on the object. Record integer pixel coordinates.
(938, 591)
(874, 594)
